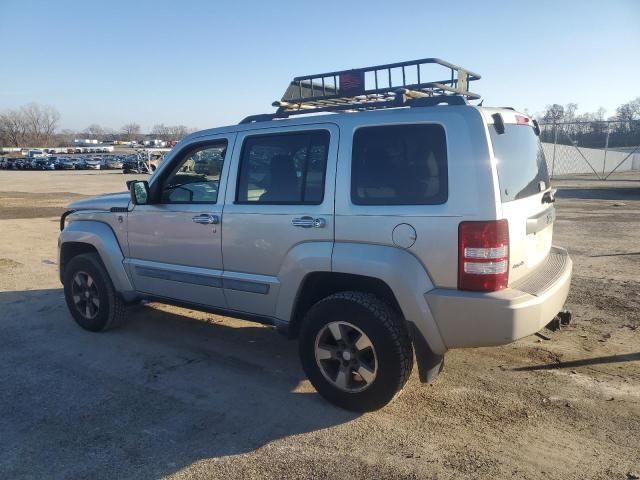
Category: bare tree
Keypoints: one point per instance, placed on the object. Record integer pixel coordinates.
(161, 131)
(31, 125)
(169, 132)
(13, 128)
(110, 134)
(41, 122)
(65, 137)
(629, 111)
(131, 131)
(94, 131)
(178, 132)
(553, 113)
(570, 110)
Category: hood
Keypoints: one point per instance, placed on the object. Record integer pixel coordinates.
(103, 202)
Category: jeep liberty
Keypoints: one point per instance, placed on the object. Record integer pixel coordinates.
(401, 221)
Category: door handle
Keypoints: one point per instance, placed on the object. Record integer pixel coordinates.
(308, 222)
(206, 219)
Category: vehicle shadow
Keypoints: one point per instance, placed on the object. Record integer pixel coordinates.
(629, 357)
(162, 392)
(600, 193)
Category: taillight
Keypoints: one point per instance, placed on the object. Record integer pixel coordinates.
(483, 255)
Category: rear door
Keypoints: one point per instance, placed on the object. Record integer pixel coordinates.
(524, 193)
(279, 201)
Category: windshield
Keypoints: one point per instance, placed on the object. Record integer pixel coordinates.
(520, 162)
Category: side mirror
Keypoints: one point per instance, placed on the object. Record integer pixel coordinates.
(139, 192)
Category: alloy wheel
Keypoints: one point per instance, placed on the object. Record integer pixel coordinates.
(84, 292)
(346, 356)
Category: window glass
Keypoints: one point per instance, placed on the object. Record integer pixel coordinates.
(197, 177)
(284, 168)
(520, 162)
(399, 165)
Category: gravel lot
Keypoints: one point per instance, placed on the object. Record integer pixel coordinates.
(187, 394)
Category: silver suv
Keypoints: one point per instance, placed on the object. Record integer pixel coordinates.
(404, 221)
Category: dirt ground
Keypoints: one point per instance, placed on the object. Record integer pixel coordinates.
(186, 394)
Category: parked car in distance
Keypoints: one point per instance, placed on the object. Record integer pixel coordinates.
(67, 164)
(134, 165)
(21, 164)
(43, 163)
(91, 163)
(10, 163)
(112, 163)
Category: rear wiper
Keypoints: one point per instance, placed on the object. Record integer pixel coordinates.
(549, 196)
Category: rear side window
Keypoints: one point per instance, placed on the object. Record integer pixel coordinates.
(520, 162)
(399, 165)
(283, 168)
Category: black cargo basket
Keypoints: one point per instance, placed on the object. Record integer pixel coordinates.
(376, 87)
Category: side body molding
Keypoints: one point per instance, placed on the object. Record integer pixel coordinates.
(101, 237)
(403, 273)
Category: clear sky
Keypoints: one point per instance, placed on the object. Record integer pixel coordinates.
(210, 63)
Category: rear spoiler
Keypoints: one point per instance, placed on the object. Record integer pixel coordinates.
(498, 123)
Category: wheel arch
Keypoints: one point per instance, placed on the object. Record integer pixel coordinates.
(92, 236)
(317, 285)
(70, 249)
(404, 274)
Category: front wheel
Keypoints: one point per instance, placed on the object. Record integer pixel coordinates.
(90, 295)
(356, 351)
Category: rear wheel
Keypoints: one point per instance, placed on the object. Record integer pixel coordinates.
(356, 351)
(90, 295)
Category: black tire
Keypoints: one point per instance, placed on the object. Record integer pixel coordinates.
(111, 310)
(389, 337)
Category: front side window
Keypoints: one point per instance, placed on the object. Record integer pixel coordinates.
(196, 178)
(399, 165)
(283, 168)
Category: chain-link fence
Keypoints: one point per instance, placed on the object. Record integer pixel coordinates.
(596, 148)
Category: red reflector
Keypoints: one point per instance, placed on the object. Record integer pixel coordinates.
(483, 255)
(520, 120)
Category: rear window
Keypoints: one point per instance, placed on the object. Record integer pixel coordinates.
(399, 165)
(520, 162)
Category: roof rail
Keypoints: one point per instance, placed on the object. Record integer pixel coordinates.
(372, 88)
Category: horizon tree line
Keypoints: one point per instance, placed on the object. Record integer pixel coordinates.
(34, 125)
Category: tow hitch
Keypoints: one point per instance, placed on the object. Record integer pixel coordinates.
(562, 319)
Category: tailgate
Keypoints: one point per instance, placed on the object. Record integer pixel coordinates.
(530, 234)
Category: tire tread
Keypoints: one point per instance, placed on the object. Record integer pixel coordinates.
(391, 322)
(117, 307)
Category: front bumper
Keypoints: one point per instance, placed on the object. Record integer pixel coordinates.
(473, 319)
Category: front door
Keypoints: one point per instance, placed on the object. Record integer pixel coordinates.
(279, 212)
(175, 248)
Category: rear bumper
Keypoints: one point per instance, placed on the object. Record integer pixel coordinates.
(472, 319)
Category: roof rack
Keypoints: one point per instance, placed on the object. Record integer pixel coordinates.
(372, 88)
